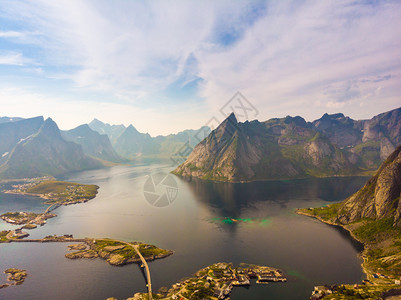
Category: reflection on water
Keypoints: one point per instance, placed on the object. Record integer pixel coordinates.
(207, 223)
(228, 199)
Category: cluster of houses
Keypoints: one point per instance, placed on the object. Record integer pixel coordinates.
(72, 195)
(16, 218)
(29, 182)
(21, 188)
(320, 291)
(222, 277)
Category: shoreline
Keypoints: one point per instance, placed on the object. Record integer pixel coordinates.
(44, 197)
(193, 178)
(361, 254)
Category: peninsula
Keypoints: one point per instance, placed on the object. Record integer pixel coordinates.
(373, 217)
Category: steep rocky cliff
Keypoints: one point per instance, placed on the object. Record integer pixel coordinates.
(380, 197)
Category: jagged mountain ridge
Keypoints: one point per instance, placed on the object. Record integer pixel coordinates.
(372, 140)
(130, 143)
(112, 131)
(293, 148)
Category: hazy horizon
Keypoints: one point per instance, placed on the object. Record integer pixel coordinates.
(187, 128)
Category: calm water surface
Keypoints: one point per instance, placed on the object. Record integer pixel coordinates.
(207, 223)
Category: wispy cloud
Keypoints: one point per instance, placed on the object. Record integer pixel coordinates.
(10, 34)
(131, 46)
(288, 57)
(13, 58)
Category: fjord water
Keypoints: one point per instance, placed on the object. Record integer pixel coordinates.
(208, 222)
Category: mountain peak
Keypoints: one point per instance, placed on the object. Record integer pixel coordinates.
(96, 121)
(50, 128)
(50, 122)
(297, 120)
(84, 127)
(232, 118)
(326, 116)
(131, 128)
(227, 127)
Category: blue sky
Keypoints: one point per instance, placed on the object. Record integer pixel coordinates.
(165, 66)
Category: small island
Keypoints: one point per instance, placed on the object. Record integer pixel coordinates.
(16, 276)
(116, 252)
(216, 282)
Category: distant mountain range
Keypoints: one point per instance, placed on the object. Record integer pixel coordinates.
(293, 148)
(40, 151)
(131, 143)
(36, 147)
(275, 149)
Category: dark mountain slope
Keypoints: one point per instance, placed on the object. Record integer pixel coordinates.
(278, 148)
(380, 197)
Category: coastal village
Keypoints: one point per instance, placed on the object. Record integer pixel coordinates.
(217, 282)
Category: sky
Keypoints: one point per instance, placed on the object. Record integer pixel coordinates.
(165, 66)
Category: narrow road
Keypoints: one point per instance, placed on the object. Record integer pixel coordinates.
(48, 209)
(149, 285)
